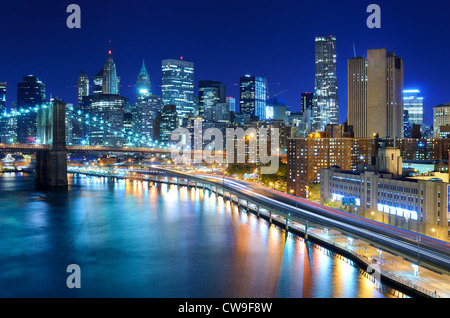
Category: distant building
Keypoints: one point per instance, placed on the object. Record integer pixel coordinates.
(441, 121)
(326, 101)
(30, 94)
(307, 102)
(83, 87)
(209, 94)
(3, 97)
(413, 103)
(110, 79)
(178, 85)
(144, 113)
(253, 96)
(143, 84)
(375, 95)
(231, 101)
(166, 122)
(107, 113)
(276, 109)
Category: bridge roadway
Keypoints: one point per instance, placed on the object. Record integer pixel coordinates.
(434, 254)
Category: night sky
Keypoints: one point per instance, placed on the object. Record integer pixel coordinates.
(225, 40)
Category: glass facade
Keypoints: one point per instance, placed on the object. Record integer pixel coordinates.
(143, 84)
(413, 103)
(326, 108)
(30, 93)
(107, 111)
(253, 96)
(178, 86)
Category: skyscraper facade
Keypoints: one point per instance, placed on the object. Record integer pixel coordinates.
(375, 95)
(326, 102)
(110, 79)
(413, 103)
(143, 84)
(178, 85)
(2, 97)
(30, 93)
(209, 94)
(307, 100)
(231, 101)
(253, 96)
(83, 87)
(107, 111)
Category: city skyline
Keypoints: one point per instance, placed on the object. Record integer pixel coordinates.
(294, 47)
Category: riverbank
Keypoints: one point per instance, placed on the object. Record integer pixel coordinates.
(394, 270)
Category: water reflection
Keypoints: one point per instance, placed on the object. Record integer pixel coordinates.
(136, 238)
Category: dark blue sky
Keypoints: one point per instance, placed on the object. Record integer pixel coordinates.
(225, 40)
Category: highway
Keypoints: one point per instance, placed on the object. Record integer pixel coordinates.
(431, 251)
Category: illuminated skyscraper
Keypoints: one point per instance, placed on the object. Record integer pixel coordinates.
(2, 97)
(83, 87)
(413, 103)
(30, 94)
(253, 96)
(110, 79)
(107, 111)
(231, 101)
(178, 85)
(143, 84)
(209, 94)
(326, 103)
(307, 100)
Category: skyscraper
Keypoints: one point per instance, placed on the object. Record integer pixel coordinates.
(375, 95)
(209, 94)
(326, 102)
(2, 97)
(307, 100)
(165, 123)
(3, 110)
(110, 79)
(143, 83)
(413, 103)
(178, 85)
(83, 87)
(98, 83)
(107, 111)
(30, 94)
(231, 101)
(253, 96)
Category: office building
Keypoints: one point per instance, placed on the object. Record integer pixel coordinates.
(253, 96)
(413, 103)
(83, 87)
(178, 85)
(110, 79)
(165, 123)
(209, 94)
(231, 101)
(143, 84)
(326, 102)
(30, 94)
(107, 112)
(441, 121)
(375, 95)
(307, 101)
(144, 113)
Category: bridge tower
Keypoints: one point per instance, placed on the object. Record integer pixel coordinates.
(51, 165)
